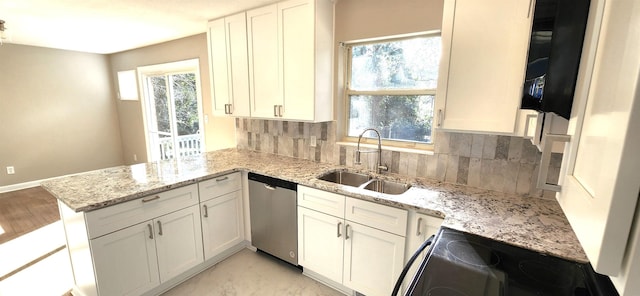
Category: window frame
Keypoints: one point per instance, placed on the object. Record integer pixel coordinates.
(367, 139)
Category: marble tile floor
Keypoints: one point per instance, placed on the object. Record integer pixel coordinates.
(250, 273)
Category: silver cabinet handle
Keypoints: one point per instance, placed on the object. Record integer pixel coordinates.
(159, 228)
(346, 232)
(222, 179)
(545, 161)
(206, 211)
(280, 107)
(338, 229)
(418, 232)
(275, 110)
(150, 198)
(440, 117)
(150, 231)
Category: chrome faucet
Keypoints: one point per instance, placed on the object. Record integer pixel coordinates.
(379, 166)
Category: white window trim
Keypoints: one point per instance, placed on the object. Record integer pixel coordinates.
(393, 145)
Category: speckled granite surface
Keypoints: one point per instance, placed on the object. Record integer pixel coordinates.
(532, 223)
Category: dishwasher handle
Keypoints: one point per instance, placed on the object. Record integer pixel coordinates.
(269, 187)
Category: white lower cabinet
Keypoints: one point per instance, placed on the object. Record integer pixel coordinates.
(360, 257)
(125, 261)
(178, 242)
(373, 259)
(221, 213)
(222, 223)
(320, 243)
(134, 260)
(420, 227)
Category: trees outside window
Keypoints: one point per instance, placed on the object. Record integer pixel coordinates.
(391, 87)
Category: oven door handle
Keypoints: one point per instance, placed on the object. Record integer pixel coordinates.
(406, 268)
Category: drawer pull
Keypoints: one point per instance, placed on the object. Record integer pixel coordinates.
(418, 232)
(206, 211)
(150, 231)
(222, 179)
(159, 228)
(148, 199)
(339, 224)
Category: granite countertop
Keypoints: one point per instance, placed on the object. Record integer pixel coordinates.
(527, 222)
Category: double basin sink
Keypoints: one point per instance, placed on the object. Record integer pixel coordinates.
(366, 182)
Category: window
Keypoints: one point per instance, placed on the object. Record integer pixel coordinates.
(391, 86)
(172, 109)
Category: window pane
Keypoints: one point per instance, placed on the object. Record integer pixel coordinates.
(186, 102)
(404, 118)
(404, 64)
(160, 103)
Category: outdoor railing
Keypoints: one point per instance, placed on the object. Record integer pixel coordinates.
(187, 145)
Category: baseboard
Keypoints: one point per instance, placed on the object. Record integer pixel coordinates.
(35, 183)
(21, 186)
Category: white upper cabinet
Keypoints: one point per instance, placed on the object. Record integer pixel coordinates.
(265, 90)
(484, 57)
(599, 176)
(290, 57)
(229, 70)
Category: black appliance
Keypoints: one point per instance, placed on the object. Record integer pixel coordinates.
(462, 264)
(557, 36)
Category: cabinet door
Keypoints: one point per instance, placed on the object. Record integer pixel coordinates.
(262, 28)
(222, 223)
(599, 176)
(484, 58)
(420, 228)
(219, 67)
(297, 51)
(373, 259)
(320, 243)
(178, 241)
(238, 67)
(125, 261)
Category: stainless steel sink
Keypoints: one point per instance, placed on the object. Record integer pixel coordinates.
(387, 187)
(345, 178)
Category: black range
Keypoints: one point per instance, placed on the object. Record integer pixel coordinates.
(462, 264)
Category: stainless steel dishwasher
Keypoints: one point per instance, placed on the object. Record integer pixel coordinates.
(273, 212)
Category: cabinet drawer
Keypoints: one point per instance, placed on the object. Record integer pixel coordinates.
(321, 201)
(109, 219)
(220, 185)
(377, 216)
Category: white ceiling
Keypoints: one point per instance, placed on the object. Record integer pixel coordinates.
(108, 26)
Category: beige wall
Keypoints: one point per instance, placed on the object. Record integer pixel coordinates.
(219, 132)
(362, 19)
(57, 113)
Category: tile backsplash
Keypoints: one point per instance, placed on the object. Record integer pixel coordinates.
(501, 163)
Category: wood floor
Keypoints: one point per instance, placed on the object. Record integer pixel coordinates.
(23, 211)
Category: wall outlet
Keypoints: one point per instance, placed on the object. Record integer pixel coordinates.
(312, 141)
(11, 170)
